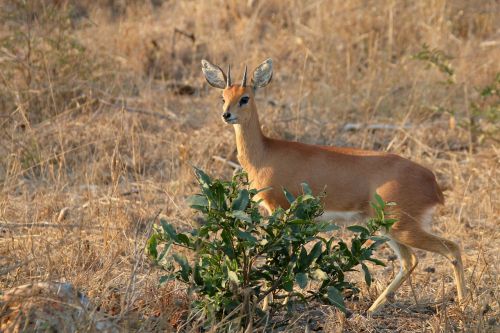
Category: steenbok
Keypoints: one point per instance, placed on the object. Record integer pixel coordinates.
(351, 177)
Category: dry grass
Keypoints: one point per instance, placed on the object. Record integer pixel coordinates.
(103, 115)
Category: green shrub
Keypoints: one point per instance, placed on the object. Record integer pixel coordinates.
(485, 113)
(238, 257)
(438, 59)
(482, 112)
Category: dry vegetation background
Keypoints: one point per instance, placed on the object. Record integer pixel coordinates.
(103, 110)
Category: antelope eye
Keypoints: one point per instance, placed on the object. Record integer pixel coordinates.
(244, 100)
(223, 100)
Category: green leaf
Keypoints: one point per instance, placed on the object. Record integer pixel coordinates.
(204, 231)
(307, 260)
(301, 279)
(247, 236)
(388, 223)
(380, 201)
(169, 230)
(184, 239)
(203, 178)
(358, 229)
(378, 240)
(219, 195)
(303, 262)
(299, 221)
(226, 237)
(165, 251)
(197, 201)
(377, 208)
(241, 202)
(240, 215)
(183, 262)
(316, 251)
(335, 298)
(151, 246)
(197, 275)
(319, 275)
(328, 226)
(356, 247)
(288, 285)
(288, 195)
(306, 189)
(306, 197)
(228, 250)
(376, 261)
(300, 210)
(368, 277)
(232, 276)
(166, 278)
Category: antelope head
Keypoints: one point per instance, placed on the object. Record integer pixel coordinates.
(238, 99)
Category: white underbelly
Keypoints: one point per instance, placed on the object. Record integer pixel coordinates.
(341, 217)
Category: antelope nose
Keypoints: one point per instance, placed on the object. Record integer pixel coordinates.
(226, 115)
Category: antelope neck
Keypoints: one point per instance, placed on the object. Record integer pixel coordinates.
(250, 142)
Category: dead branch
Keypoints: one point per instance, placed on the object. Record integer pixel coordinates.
(226, 161)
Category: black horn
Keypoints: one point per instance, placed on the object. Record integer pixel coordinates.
(228, 82)
(244, 81)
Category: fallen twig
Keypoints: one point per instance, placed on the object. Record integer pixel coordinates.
(358, 126)
(226, 161)
(10, 268)
(169, 114)
(13, 225)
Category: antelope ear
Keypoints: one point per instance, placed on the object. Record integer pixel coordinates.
(263, 74)
(214, 75)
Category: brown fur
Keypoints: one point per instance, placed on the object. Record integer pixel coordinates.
(285, 164)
